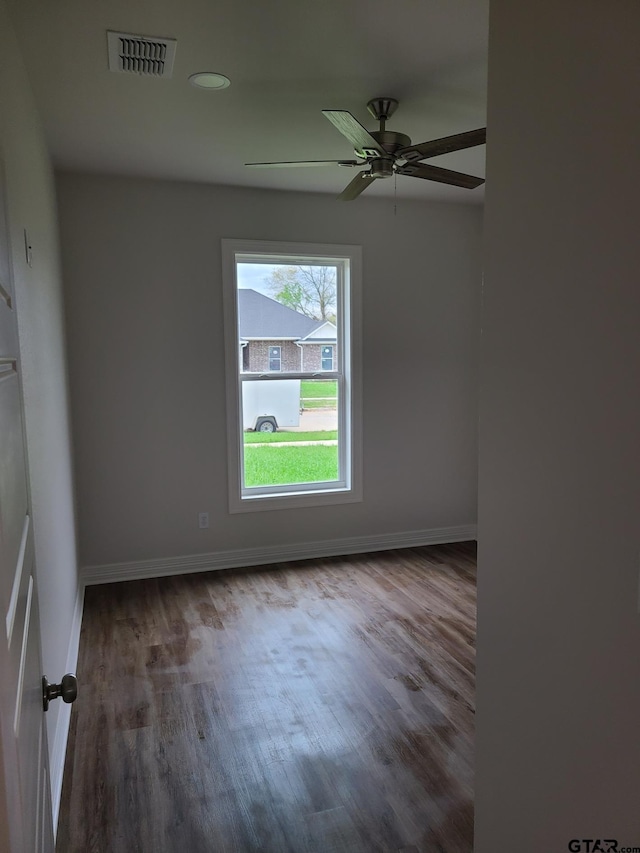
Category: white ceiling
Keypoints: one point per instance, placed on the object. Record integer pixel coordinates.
(287, 60)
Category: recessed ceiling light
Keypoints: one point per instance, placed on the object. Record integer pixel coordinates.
(209, 80)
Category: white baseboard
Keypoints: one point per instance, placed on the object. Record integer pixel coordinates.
(59, 750)
(241, 557)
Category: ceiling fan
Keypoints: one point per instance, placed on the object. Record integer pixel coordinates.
(386, 152)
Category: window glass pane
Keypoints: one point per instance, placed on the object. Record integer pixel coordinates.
(290, 432)
(294, 304)
(275, 362)
(327, 358)
(294, 406)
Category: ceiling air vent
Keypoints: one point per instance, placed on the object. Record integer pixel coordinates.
(131, 54)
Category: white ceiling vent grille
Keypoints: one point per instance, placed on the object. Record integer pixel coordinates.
(131, 54)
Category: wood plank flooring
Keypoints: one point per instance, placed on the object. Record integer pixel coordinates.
(324, 706)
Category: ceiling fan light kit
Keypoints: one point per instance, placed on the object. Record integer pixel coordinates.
(389, 153)
(381, 167)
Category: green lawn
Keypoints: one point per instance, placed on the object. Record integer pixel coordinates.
(318, 394)
(279, 466)
(277, 437)
(318, 388)
(326, 403)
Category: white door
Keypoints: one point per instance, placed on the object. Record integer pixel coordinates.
(25, 798)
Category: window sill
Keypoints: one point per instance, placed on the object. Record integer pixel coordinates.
(297, 500)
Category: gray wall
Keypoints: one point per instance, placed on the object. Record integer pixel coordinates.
(143, 287)
(558, 749)
(38, 293)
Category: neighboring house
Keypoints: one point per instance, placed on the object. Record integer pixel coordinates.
(275, 338)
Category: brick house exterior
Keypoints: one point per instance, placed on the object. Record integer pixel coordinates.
(255, 356)
(274, 338)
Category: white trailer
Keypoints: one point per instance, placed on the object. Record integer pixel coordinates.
(269, 405)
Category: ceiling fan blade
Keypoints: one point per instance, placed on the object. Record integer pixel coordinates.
(357, 185)
(357, 135)
(443, 176)
(457, 142)
(306, 163)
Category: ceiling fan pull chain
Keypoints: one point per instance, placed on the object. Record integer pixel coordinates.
(395, 193)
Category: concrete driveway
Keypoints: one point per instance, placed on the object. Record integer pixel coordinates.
(313, 420)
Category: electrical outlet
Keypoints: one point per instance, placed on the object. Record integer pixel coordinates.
(203, 520)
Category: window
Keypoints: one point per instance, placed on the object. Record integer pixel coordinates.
(327, 358)
(293, 407)
(275, 358)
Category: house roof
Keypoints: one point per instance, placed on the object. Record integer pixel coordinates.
(262, 318)
(324, 333)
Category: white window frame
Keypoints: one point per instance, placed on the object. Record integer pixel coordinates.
(348, 489)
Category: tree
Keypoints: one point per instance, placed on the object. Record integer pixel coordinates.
(309, 290)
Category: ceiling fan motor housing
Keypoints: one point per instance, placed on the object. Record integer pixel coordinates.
(390, 141)
(381, 167)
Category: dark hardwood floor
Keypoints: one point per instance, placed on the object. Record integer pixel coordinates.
(322, 706)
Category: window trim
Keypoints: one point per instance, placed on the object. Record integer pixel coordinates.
(350, 415)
